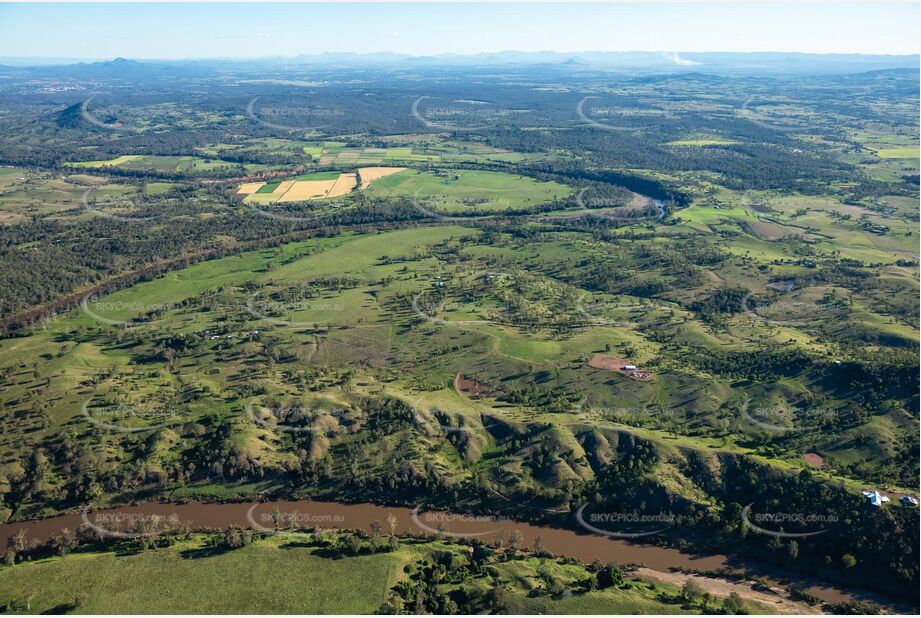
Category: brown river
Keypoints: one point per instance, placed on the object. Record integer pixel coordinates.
(585, 546)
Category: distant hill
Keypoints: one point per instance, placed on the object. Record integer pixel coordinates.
(721, 62)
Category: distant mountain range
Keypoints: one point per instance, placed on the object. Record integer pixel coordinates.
(766, 62)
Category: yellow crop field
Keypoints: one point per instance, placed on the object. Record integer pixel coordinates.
(305, 190)
(249, 188)
(344, 184)
(369, 174)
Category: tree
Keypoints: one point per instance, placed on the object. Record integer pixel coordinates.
(733, 604)
(515, 538)
(775, 543)
(691, 590)
(497, 598)
(376, 528)
(848, 561)
(353, 544)
(18, 541)
(392, 524)
(793, 550)
(63, 541)
(610, 575)
(236, 537)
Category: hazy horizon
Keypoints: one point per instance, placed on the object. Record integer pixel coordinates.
(255, 31)
(575, 52)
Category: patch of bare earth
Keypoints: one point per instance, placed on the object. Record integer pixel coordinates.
(619, 365)
(471, 388)
(814, 459)
(723, 588)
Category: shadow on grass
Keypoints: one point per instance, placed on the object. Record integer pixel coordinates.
(205, 552)
(63, 608)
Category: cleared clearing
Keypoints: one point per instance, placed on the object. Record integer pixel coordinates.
(318, 187)
(249, 188)
(283, 187)
(369, 174)
(344, 184)
(305, 190)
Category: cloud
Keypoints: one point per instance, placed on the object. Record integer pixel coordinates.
(676, 58)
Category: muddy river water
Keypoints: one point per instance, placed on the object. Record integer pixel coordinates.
(585, 546)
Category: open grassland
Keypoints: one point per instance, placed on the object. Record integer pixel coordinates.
(122, 160)
(901, 152)
(178, 164)
(266, 577)
(466, 190)
(703, 142)
(368, 175)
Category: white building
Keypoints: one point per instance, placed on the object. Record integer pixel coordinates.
(876, 498)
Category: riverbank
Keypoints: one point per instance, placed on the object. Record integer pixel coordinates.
(130, 521)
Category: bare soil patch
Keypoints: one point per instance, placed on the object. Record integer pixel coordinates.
(766, 230)
(619, 365)
(471, 388)
(723, 588)
(814, 459)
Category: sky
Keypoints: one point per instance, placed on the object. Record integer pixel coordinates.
(212, 30)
